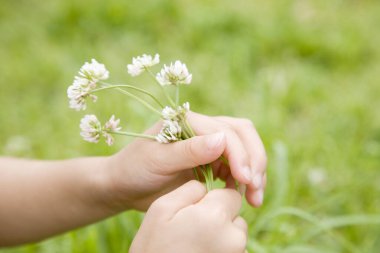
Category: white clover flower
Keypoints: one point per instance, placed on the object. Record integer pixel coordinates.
(169, 113)
(78, 92)
(94, 71)
(91, 128)
(89, 74)
(110, 126)
(140, 63)
(184, 108)
(174, 74)
(76, 95)
(170, 132)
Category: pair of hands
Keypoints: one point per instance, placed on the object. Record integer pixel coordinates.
(188, 219)
(88, 189)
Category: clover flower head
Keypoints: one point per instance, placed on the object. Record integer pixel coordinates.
(91, 128)
(140, 63)
(110, 126)
(78, 92)
(174, 74)
(168, 113)
(170, 132)
(89, 75)
(184, 108)
(94, 71)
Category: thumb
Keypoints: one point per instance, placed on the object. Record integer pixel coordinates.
(191, 153)
(188, 194)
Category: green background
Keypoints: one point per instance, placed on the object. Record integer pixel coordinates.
(305, 72)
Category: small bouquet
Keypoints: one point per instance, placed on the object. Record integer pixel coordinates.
(91, 80)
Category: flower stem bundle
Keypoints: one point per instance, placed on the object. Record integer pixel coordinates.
(175, 127)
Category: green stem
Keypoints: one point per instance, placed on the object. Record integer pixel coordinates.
(146, 104)
(207, 173)
(189, 127)
(111, 86)
(185, 133)
(210, 177)
(146, 136)
(206, 169)
(224, 160)
(162, 88)
(196, 174)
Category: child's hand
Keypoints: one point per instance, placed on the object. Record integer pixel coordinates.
(145, 169)
(188, 220)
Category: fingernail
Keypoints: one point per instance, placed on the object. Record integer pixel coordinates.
(215, 140)
(259, 198)
(257, 181)
(246, 171)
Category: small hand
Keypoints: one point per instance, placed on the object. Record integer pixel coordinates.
(188, 220)
(145, 169)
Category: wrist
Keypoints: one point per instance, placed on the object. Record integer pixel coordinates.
(114, 190)
(125, 189)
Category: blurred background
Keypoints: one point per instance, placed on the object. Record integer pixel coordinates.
(305, 72)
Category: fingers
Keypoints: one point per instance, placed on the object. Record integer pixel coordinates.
(256, 196)
(189, 153)
(225, 203)
(188, 194)
(257, 157)
(234, 151)
(253, 144)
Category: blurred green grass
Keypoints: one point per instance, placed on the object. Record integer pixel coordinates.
(306, 72)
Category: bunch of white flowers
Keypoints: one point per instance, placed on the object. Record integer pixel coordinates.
(90, 80)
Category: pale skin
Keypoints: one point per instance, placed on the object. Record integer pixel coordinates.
(44, 198)
(188, 220)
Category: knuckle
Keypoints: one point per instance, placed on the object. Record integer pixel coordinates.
(214, 215)
(246, 123)
(263, 162)
(204, 217)
(226, 127)
(217, 213)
